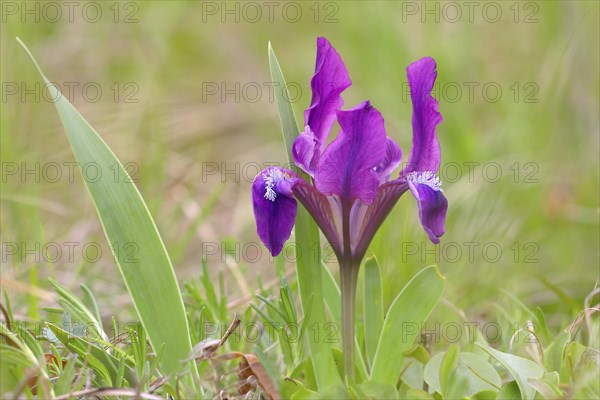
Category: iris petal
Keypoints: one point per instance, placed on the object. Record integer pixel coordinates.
(329, 81)
(393, 157)
(274, 207)
(324, 210)
(425, 153)
(346, 168)
(432, 208)
(374, 215)
(303, 150)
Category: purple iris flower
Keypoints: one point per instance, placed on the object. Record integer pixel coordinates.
(350, 193)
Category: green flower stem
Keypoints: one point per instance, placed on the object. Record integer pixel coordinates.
(349, 268)
(348, 279)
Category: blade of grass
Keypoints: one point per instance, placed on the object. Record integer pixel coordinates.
(90, 302)
(79, 311)
(132, 234)
(308, 265)
(100, 360)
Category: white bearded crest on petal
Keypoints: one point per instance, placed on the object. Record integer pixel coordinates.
(272, 177)
(426, 178)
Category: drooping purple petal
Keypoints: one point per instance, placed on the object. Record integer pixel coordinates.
(274, 206)
(393, 156)
(425, 153)
(325, 211)
(369, 218)
(346, 168)
(329, 81)
(432, 205)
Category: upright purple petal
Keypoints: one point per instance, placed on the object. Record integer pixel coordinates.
(346, 168)
(425, 153)
(329, 81)
(393, 156)
(432, 203)
(274, 206)
(303, 150)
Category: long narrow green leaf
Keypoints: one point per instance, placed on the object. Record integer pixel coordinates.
(331, 295)
(66, 378)
(373, 306)
(99, 359)
(80, 312)
(553, 354)
(308, 264)
(289, 126)
(132, 235)
(26, 352)
(403, 322)
(90, 302)
(31, 352)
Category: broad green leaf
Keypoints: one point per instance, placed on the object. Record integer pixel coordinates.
(552, 378)
(585, 374)
(377, 391)
(333, 392)
(553, 354)
(547, 386)
(403, 322)
(416, 394)
(510, 391)
(485, 395)
(373, 306)
(308, 257)
(305, 394)
(132, 235)
(449, 376)
(478, 374)
(419, 353)
(483, 376)
(520, 368)
(412, 373)
(571, 355)
(289, 387)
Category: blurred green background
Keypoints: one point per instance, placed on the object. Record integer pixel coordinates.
(181, 91)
